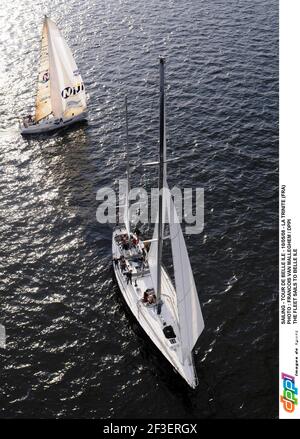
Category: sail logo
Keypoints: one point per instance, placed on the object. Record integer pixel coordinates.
(45, 77)
(72, 91)
(288, 398)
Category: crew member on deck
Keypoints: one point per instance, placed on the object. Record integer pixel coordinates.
(129, 276)
(134, 241)
(149, 297)
(123, 264)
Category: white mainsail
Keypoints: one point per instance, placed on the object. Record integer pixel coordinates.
(64, 82)
(190, 316)
(43, 105)
(191, 322)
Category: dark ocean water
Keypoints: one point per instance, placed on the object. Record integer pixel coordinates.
(72, 348)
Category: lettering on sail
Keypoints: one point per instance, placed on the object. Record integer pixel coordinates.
(72, 91)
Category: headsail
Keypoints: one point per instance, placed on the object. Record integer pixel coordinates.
(68, 96)
(43, 105)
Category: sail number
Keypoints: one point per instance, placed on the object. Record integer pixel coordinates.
(72, 91)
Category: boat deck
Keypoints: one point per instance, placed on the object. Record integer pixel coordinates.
(147, 315)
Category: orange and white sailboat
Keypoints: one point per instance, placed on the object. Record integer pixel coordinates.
(61, 97)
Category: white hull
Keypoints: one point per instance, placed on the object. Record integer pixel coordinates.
(147, 316)
(52, 124)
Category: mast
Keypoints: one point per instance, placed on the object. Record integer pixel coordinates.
(127, 148)
(127, 170)
(161, 175)
(43, 106)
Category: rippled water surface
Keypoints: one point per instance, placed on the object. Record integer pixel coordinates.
(72, 348)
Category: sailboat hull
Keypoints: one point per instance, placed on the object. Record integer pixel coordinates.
(52, 124)
(152, 323)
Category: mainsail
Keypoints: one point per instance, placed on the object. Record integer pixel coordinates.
(189, 312)
(190, 316)
(59, 77)
(43, 105)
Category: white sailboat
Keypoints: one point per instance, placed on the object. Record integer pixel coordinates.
(61, 97)
(171, 316)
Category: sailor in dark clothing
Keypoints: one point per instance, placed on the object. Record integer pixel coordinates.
(129, 277)
(151, 299)
(126, 246)
(137, 232)
(116, 261)
(123, 264)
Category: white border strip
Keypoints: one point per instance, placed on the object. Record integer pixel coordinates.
(289, 150)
